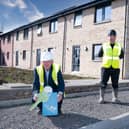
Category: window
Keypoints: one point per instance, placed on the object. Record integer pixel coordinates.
(25, 35)
(9, 38)
(78, 18)
(8, 55)
(39, 30)
(53, 26)
(17, 35)
(95, 52)
(24, 55)
(103, 13)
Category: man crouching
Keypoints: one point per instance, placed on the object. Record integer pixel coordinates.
(48, 74)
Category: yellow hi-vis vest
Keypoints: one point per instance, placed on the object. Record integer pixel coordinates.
(40, 71)
(111, 55)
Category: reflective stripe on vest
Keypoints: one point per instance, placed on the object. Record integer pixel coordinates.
(111, 55)
(40, 71)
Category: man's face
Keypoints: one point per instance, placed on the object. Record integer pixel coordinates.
(47, 64)
(112, 39)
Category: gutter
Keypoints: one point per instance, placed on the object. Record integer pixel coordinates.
(31, 49)
(125, 36)
(0, 50)
(64, 45)
(12, 49)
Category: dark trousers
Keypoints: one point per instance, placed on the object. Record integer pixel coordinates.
(106, 73)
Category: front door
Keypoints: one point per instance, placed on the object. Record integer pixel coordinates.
(76, 58)
(38, 54)
(17, 58)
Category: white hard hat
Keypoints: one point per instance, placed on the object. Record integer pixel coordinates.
(46, 56)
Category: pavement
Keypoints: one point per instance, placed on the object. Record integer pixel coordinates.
(68, 83)
(13, 94)
(79, 112)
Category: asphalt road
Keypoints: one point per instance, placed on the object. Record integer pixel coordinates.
(78, 112)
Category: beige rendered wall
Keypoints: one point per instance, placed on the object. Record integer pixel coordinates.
(91, 33)
(21, 45)
(48, 40)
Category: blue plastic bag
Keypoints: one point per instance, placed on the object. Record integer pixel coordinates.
(50, 107)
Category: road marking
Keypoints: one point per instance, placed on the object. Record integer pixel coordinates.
(118, 122)
(120, 116)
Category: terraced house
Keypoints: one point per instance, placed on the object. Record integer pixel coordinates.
(74, 35)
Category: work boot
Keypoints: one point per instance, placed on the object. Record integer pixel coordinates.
(101, 99)
(60, 112)
(115, 96)
(39, 112)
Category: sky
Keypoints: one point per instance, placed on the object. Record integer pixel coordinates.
(15, 13)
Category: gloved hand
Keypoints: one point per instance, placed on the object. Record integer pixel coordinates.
(60, 96)
(35, 97)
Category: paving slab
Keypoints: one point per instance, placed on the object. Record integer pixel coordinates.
(12, 91)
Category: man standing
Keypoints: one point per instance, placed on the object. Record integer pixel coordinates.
(111, 52)
(48, 74)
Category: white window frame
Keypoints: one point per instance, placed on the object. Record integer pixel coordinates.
(39, 29)
(95, 52)
(103, 13)
(26, 34)
(53, 26)
(17, 35)
(78, 18)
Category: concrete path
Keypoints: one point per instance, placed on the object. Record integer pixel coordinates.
(72, 86)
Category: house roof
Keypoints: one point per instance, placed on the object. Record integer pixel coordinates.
(60, 14)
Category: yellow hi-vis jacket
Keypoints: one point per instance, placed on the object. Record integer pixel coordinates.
(111, 55)
(40, 71)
